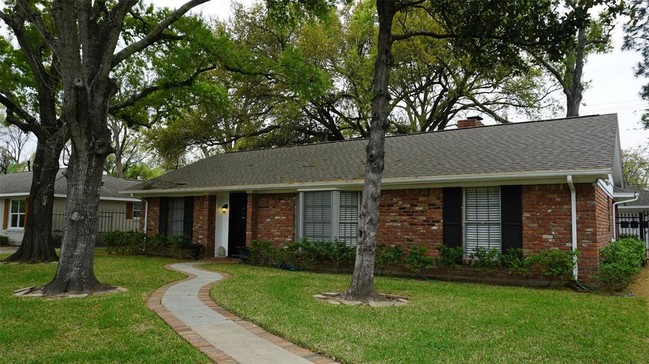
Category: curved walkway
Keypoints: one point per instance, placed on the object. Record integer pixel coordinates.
(186, 306)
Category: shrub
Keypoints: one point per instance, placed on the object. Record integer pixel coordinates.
(159, 241)
(486, 258)
(340, 252)
(180, 240)
(620, 262)
(123, 242)
(4, 240)
(388, 256)
(449, 256)
(416, 260)
(514, 260)
(261, 253)
(555, 263)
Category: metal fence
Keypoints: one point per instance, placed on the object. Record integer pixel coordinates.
(106, 221)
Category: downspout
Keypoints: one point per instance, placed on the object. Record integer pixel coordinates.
(635, 198)
(146, 220)
(573, 221)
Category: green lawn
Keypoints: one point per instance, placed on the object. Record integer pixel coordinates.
(445, 322)
(111, 328)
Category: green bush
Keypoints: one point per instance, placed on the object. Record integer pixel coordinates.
(180, 241)
(416, 260)
(485, 258)
(388, 256)
(261, 253)
(555, 263)
(4, 240)
(449, 256)
(516, 262)
(620, 262)
(340, 252)
(159, 241)
(123, 242)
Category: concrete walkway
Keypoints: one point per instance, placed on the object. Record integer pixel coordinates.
(225, 338)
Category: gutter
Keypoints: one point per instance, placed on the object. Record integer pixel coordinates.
(387, 182)
(636, 195)
(573, 223)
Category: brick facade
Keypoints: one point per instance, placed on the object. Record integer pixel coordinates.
(415, 217)
(411, 217)
(271, 217)
(204, 221)
(153, 216)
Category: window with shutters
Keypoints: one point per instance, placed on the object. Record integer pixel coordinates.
(328, 215)
(17, 214)
(176, 215)
(482, 219)
(137, 210)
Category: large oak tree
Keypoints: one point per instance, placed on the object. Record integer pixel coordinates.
(88, 41)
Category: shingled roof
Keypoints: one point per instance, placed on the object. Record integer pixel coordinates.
(18, 184)
(581, 145)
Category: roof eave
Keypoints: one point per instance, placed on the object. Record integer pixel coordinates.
(491, 178)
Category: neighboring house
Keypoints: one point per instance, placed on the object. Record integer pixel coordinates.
(501, 187)
(116, 211)
(633, 215)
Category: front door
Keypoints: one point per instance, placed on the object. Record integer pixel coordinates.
(237, 222)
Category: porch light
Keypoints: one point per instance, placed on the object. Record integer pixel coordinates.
(224, 208)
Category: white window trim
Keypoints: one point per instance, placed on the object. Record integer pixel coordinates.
(335, 211)
(11, 214)
(465, 221)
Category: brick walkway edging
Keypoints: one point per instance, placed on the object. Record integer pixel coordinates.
(154, 303)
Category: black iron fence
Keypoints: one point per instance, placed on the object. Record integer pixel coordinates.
(107, 220)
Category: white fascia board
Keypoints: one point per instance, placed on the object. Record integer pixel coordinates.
(633, 207)
(623, 195)
(546, 177)
(16, 194)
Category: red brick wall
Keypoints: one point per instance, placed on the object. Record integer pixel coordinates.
(411, 217)
(547, 222)
(271, 217)
(204, 219)
(153, 216)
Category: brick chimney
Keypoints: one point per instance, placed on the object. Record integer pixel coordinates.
(470, 122)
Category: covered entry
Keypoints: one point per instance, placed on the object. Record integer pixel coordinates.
(237, 222)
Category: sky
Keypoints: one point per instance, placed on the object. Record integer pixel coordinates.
(613, 88)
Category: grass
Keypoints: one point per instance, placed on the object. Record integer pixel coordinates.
(445, 322)
(114, 328)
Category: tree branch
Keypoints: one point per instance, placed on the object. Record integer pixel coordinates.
(155, 34)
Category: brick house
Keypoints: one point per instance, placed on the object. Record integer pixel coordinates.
(533, 185)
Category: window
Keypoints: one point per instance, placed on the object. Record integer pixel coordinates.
(137, 209)
(328, 215)
(176, 214)
(482, 219)
(348, 219)
(17, 214)
(317, 216)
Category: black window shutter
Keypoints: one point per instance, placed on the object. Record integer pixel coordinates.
(188, 218)
(452, 215)
(511, 210)
(164, 216)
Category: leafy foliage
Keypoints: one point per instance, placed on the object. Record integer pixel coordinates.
(123, 242)
(449, 256)
(637, 38)
(620, 262)
(556, 263)
(636, 167)
(388, 256)
(416, 260)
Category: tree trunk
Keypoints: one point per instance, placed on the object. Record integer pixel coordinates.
(576, 88)
(75, 273)
(36, 246)
(362, 286)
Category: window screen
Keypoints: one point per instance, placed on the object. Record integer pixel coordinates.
(176, 214)
(482, 229)
(317, 216)
(348, 218)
